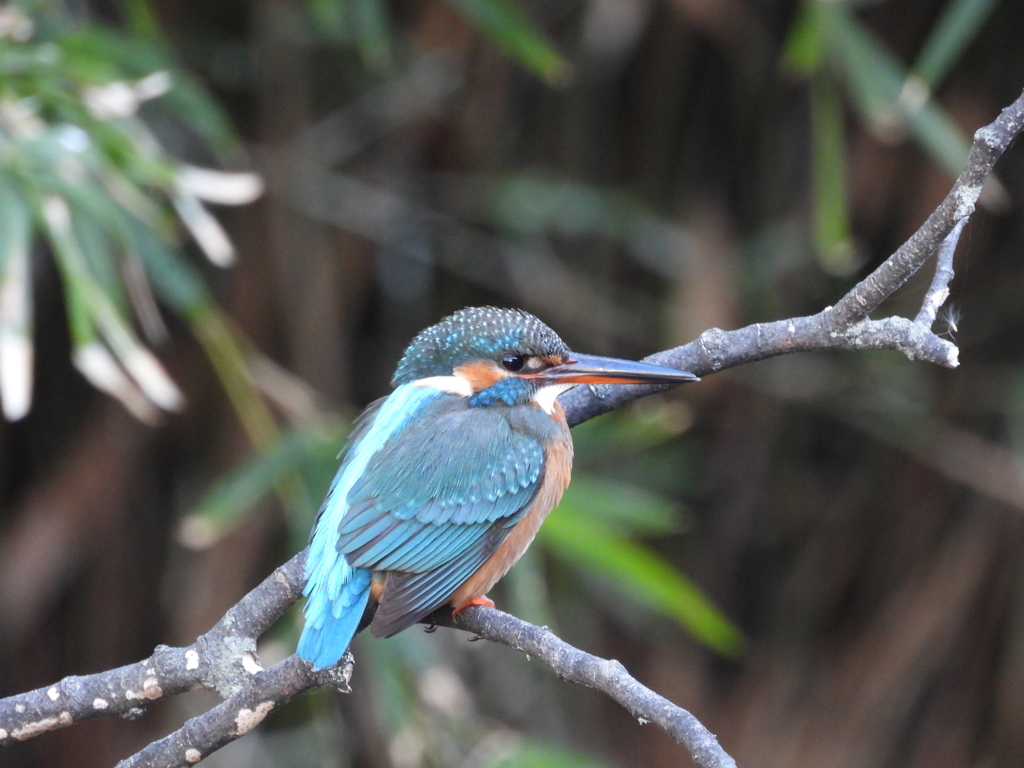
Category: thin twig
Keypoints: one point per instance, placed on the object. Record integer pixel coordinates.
(938, 291)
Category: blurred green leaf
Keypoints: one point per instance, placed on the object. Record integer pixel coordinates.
(954, 31)
(373, 33)
(80, 321)
(876, 78)
(504, 23)
(831, 218)
(101, 260)
(642, 426)
(81, 293)
(625, 508)
(599, 549)
(100, 55)
(329, 18)
(189, 102)
(223, 347)
(802, 54)
(15, 223)
(232, 497)
(16, 331)
(536, 754)
(175, 280)
(96, 54)
(141, 19)
(91, 308)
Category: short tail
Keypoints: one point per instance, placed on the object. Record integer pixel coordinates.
(331, 624)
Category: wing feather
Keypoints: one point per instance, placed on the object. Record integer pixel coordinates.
(411, 596)
(436, 500)
(422, 499)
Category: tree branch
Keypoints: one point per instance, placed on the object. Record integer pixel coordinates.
(845, 325)
(224, 659)
(242, 711)
(606, 675)
(989, 144)
(716, 350)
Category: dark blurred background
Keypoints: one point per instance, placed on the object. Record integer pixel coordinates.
(820, 556)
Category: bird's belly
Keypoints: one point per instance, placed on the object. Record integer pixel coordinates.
(557, 468)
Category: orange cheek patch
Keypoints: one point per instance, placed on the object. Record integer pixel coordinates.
(481, 374)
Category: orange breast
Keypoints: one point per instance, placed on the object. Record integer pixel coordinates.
(557, 468)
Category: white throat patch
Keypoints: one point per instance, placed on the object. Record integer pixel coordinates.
(545, 396)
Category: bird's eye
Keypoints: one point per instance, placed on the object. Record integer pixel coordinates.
(513, 362)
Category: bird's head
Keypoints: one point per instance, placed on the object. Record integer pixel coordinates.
(507, 356)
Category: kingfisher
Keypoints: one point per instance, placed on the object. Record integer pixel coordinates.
(446, 481)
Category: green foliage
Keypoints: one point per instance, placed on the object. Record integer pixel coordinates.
(832, 47)
(364, 25)
(534, 754)
(597, 538)
(831, 223)
(305, 452)
(878, 85)
(80, 169)
(957, 27)
(504, 23)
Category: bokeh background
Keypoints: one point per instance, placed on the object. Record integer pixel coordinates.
(820, 556)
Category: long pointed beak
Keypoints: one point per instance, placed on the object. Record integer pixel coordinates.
(591, 369)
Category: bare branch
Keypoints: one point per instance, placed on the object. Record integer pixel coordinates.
(989, 144)
(224, 658)
(938, 291)
(122, 691)
(844, 326)
(240, 712)
(265, 690)
(606, 675)
(716, 350)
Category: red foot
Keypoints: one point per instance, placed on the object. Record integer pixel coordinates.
(475, 600)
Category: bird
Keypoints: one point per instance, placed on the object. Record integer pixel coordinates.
(446, 481)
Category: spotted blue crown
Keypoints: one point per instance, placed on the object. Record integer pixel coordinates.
(476, 333)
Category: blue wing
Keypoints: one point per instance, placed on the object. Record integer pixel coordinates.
(338, 593)
(433, 505)
(428, 491)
